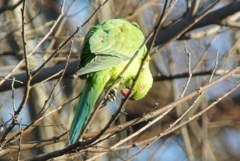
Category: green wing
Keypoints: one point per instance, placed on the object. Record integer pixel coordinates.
(109, 44)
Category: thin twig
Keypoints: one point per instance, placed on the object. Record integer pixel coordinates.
(34, 49)
(68, 39)
(189, 70)
(44, 108)
(4, 139)
(13, 90)
(20, 140)
(193, 21)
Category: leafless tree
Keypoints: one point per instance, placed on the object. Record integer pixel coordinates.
(194, 101)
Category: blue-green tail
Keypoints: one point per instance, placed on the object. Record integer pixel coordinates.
(85, 106)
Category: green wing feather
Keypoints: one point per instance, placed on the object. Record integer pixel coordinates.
(116, 39)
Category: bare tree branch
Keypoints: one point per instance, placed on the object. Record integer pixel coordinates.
(214, 17)
(12, 7)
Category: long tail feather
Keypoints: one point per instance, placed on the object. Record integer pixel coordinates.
(85, 106)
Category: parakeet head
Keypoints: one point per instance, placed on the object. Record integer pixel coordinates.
(142, 86)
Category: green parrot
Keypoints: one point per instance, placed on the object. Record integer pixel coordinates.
(106, 50)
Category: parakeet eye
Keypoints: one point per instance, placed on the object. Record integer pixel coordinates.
(140, 87)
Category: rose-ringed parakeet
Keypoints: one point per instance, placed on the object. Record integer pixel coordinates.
(106, 50)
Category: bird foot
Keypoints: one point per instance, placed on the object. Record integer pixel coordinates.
(112, 95)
